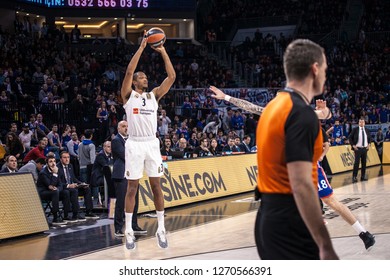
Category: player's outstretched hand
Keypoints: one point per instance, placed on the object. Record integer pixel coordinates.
(144, 41)
(320, 104)
(218, 94)
(323, 110)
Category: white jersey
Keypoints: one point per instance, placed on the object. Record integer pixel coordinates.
(141, 113)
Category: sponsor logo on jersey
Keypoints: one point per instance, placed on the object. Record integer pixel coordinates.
(135, 111)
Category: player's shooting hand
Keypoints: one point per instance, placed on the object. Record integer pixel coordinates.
(144, 41)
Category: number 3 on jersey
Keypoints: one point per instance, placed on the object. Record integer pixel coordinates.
(143, 101)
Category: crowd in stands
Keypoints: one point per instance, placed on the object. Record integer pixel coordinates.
(317, 17)
(376, 16)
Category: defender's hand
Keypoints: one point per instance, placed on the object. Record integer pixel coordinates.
(218, 94)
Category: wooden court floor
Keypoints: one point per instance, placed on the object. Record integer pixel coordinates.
(220, 229)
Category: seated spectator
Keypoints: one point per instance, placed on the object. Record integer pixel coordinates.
(34, 167)
(26, 136)
(237, 142)
(50, 188)
(54, 145)
(193, 142)
(43, 93)
(230, 147)
(11, 165)
(245, 145)
(185, 151)
(166, 149)
(68, 178)
(3, 97)
(111, 101)
(214, 147)
(336, 131)
(182, 131)
(14, 146)
(14, 128)
(104, 158)
(221, 139)
(41, 128)
(37, 152)
(66, 136)
(202, 150)
(212, 127)
(175, 141)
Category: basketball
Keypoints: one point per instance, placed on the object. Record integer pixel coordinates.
(155, 36)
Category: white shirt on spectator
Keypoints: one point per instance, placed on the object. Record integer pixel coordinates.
(26, 139)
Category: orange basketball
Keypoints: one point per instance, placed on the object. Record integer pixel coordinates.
(155, 36)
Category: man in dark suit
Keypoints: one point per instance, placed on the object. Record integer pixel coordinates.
(245, 145)
(69, 180)
(230, 147)
(11, 165)
(103, 158)
(360, 140)
(50, 188)
(120, 182)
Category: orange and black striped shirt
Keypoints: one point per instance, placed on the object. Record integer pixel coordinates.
(288, 131)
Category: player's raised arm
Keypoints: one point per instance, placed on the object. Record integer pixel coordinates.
(322, 111)
(170, 79)
(243, 104)
(128, 80)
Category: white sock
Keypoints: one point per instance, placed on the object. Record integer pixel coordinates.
(128, 219)
(160, 220)
(358, 227)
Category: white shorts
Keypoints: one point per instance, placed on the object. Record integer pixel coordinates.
(140, 155)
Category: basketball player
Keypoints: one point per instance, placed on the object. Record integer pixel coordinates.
(326, 194)
(142, 147)
(325, 190)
